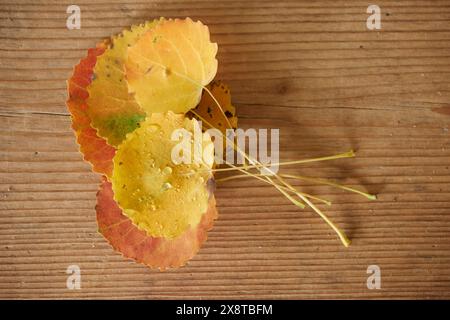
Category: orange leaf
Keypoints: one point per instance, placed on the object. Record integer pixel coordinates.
(94, 149)
(133, 243)
(210, 111)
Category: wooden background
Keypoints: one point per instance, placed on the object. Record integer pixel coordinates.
(310, 68)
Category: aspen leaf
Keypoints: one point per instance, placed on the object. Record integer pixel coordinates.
(208, 109)
(114, 112)
(167, 67)
(135, 244)
(94, 148)
(162, 198)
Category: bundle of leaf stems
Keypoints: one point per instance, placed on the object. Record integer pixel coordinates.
(299, 199)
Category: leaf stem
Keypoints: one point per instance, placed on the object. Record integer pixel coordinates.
(348, 154)
(342, 236)
(256, 164)
(330, 183)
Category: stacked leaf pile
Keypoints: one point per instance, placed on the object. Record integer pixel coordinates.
(126, 97)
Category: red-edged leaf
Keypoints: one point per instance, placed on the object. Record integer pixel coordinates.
(94, 149)
(133, 243)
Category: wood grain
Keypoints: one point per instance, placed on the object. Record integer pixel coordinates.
(311, 69)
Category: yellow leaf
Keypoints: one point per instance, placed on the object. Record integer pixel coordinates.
(113, 111)
(168, 66)
(160, 197)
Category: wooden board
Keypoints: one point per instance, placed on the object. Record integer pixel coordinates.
(311, 69)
